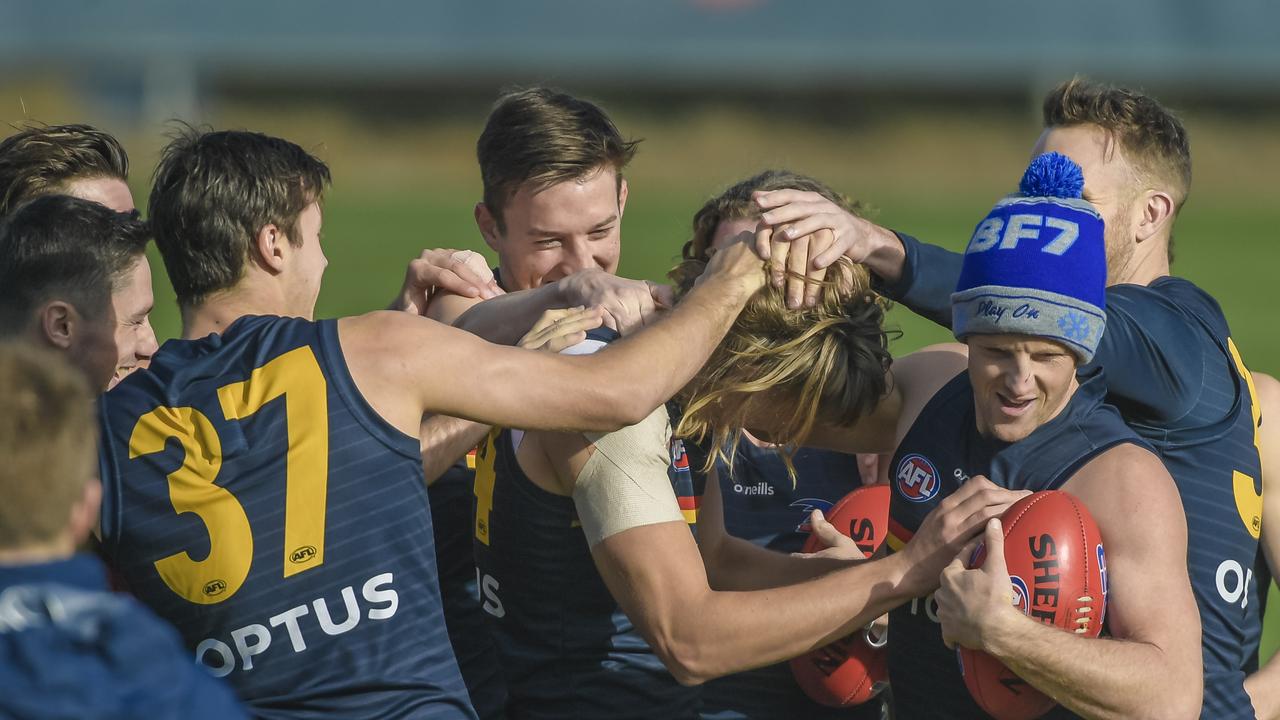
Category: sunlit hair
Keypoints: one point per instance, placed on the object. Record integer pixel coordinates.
(825, 364)
(736, 204)
(45, 159)
(1148, 134)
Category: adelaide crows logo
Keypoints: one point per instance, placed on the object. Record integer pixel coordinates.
(807, 506)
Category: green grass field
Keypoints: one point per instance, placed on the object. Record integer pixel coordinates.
(401, 189)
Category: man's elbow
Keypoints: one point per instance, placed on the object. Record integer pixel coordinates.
(685, 660)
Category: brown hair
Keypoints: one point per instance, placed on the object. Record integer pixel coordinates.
(58, 247)
(735, 203)
(47, 440)
(544, 137)
(827, 363)
(213, 192)
(1151, 137)
(43, 159)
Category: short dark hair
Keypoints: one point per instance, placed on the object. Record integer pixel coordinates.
(43, 159)
(1151, 137)
(543, 136)
(60, 247)
(213, 192)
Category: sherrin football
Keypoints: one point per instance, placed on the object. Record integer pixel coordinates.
(1059, 576)
(853, 669)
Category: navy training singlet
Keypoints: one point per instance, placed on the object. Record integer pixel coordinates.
(1175, 374)
(469, 631)
(942, 450)
(762, 505)
(567, 650)
(253, 499)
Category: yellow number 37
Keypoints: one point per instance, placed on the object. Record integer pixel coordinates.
(296, 377)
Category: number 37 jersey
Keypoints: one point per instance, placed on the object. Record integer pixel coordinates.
(254, 500)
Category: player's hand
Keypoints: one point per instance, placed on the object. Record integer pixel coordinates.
(628, 304)
(560, 329)
(738, 265)
(974, 603)
(838, 545)
(957, 520)
(461, 272)
(812, 232)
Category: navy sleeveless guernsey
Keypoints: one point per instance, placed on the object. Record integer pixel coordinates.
(253, 499)
(566, 648)
(1175, 374)
(469, 630)
(942, 450)
(761, 505)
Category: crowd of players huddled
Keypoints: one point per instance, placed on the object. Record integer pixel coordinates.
(541, 490)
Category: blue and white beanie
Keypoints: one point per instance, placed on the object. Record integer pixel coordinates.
(1037, 264)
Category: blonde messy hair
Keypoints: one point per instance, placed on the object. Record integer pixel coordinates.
(823, 364)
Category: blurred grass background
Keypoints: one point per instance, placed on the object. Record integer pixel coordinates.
(407, 181)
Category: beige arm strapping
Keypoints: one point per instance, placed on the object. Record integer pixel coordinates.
(624, 484)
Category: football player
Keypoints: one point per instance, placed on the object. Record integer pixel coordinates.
(263, 483)
(74, 277)
(1021, 416)
(1172, 367)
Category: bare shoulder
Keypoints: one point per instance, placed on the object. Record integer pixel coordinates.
(1268, 393)
(919, 376)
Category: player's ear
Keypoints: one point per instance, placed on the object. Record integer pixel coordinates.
(268, 248)
(488, 225)
(84, 514)
(622, 196)
(56, 323)
(1156, 214)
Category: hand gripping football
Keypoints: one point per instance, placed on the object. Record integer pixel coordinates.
(1059, 575)
(853, 669)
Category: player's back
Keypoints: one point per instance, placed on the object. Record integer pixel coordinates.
(256, 501)
(1205, 431)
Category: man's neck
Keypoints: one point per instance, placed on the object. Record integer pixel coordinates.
(1149, 263)
(220, 310)
(60, 549)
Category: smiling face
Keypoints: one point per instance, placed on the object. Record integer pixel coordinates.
(556, 231)
(135, 341)
(1020, 382)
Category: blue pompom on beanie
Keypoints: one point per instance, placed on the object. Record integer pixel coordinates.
(1037, 265)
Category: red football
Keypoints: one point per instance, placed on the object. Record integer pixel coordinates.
(1059, 574)
(851, 670)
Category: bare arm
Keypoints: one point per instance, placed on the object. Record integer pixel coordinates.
(736, 564)
(444, 439)
(407, 366)
(1264, 685)
(657, 576)
(1151, 666)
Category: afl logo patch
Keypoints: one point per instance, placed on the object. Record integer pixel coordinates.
(1021, 599)
(917, 479)
(214, 588)
(302, 555)
(679, 458)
